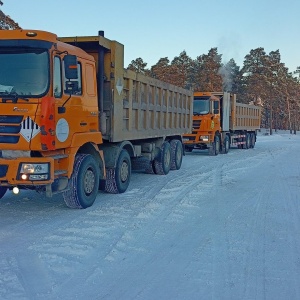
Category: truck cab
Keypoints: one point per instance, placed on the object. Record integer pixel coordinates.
(220, 122)
(48, 111)
(206, 122)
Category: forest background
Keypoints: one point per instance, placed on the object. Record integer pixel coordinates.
(262, 80)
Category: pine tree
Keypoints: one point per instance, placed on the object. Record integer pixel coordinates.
(185, 66)
(207, 77)
(162, 70)
(6, 22)
(139, 66)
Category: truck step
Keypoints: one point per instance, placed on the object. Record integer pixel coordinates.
(59, 192)
(60, 172)
(50, 193)
(59, 156)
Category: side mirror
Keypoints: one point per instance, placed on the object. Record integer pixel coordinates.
(216, 109)
(70, 64)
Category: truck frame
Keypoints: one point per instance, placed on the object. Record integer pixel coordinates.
(73, 119)
(219, 122)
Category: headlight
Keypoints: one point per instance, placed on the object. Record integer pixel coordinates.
(34, 171)
(34, 168)
(204, 138)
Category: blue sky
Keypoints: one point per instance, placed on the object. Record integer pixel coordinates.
(155, 29)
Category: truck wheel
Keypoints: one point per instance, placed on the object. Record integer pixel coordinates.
(117, 180)
(215, 148)
(188, 149)
(176, 154)
(84, 182)
(252, 140)
(162, 163)
(3, 190)
(247, 141)
(225, 146)
(150, 167)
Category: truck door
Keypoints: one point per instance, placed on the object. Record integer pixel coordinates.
(216, 114)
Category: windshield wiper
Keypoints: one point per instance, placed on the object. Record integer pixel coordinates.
(13, 96)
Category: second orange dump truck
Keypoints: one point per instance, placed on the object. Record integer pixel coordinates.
(219, 122)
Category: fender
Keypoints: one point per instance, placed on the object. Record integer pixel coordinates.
(112, 151)
(82, 140)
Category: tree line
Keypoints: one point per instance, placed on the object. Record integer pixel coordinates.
(262, 80)
(6, 22)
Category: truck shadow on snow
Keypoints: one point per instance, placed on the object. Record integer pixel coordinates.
(29, 202)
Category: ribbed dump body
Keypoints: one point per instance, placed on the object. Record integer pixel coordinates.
(246, 117)
(149, 108)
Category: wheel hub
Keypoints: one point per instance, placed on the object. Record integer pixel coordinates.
(179, 154)
(124, 171)
(89, 181)
(167, 158)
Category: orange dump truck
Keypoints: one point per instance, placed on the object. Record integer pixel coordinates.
(219, 122)
(72, 119)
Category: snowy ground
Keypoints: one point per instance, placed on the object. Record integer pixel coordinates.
(224, 227)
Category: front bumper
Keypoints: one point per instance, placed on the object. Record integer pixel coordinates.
(10, 171)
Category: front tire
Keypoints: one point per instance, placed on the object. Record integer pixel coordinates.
(188, 149)
(84, 182)
(225, 146)
(215, 149)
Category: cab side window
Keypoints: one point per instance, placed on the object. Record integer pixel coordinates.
(77, 82)
(216, 107)
(57, 88)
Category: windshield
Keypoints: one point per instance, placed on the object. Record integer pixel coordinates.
(24, 73)
(201, 105)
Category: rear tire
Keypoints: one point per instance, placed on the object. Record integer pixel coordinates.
(150, 167)
(240, 146)
(162, 163)
(176, 154)
(252, 140)
(3, 190)
(84, 182)
(118, 179)
(247, 141)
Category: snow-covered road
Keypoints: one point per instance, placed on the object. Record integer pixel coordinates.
(224, 227)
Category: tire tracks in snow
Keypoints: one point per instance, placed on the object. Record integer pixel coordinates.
(164, 206)
(80, 249)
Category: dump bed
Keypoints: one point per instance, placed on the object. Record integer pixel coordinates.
(134, 106)
(149, 108)
(237, 116)
(245, 117)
